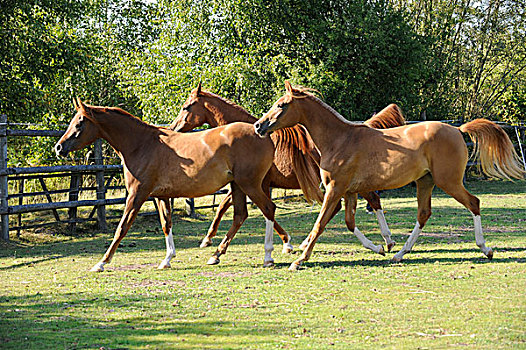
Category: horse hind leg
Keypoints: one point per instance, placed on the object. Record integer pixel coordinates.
(374, 200)
(472, 203)
(351, 199)
(214, 226)
(239, 201)
(424, 189)
(165, 215)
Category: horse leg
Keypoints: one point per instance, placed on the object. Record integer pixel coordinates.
(374, 201)
(287, 246)
(165, 215)
(133, 204)
(221, 210)
(239, 200)
(330, 202)
(424, 188)
(351, 199)
(472, 203)
(268, 208)
(307, 239)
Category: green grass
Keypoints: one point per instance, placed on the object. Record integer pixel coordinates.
(445, 294)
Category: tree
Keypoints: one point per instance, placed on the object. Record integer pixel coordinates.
(361, 55)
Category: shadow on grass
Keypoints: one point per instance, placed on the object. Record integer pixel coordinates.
(100, 322)
(407, 261)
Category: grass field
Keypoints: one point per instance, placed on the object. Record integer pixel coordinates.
(445, 294)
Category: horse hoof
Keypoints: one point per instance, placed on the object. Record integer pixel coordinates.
(287, 248)
(396, 259)
(99, 267)
(205, 243)
(213, 261)
(269, 263)
(490, 254)
(390, 246)
(294, 266)
(164, 265)
(381, 251)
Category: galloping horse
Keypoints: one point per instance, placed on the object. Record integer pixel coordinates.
(355, 159)
(165, 164)
(296, 159)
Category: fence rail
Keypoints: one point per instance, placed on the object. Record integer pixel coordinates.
(104, 175)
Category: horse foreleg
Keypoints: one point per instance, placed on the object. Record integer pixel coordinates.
(351, 199)
(330, 203)
(424, 188)
(165, 215)
(221, 210)
(240, 215)
(133, 204)
(285, 237)
(374, 201)
(306, 241)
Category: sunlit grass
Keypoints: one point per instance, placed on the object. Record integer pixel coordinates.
(445, 294)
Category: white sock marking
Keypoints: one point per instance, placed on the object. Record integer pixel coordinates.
(269, 235)
(409, 243)
(366, 242)
(479, 237)
(170, 250)
(384, 229)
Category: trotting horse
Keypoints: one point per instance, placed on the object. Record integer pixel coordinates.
(296, 159)
(355, 158)
(165, 164)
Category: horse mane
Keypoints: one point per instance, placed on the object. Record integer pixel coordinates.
(296, 143)
(302, 92)
(226, 101)
(389, 117)
(122, 112)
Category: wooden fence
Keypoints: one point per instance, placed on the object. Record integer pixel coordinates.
(104, 175)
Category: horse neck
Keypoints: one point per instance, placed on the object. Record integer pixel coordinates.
(323, 125)
(226, 113)
(124, 133)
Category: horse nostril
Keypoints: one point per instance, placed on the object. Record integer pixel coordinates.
(58, 148)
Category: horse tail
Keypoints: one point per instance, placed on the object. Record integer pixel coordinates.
(389, 117)
(296, 143)
(494, 148)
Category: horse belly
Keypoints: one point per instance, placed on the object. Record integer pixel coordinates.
(197, 183)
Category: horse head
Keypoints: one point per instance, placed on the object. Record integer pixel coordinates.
(193, 113)
(284, 113)
(82, 130)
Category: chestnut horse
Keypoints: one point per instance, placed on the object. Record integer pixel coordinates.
(356, 159)
(165, 164)
(296, 158)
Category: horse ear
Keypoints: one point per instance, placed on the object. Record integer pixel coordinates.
(288, 87)
(75, 104)
(198, 91)
(80, 104)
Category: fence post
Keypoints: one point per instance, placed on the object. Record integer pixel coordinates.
(101, 188)
(3, 179)
(73, 196)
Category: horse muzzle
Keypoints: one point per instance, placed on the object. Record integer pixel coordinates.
(262, 127)
(60, 150)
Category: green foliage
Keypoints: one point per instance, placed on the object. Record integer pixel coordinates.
(451, 60)
(360, 55)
